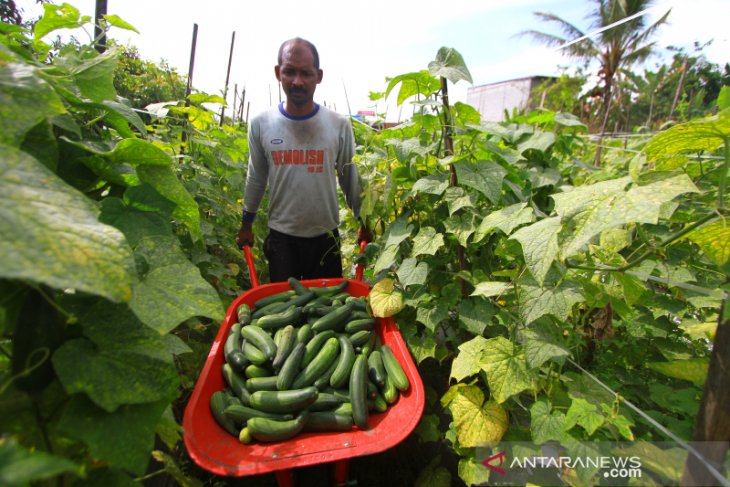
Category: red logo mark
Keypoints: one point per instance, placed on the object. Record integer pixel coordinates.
(488, 463)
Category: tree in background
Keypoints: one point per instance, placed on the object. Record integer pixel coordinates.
(144, 82)
(615, 48)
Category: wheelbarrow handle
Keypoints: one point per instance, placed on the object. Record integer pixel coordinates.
(251, 267)
(255, 279)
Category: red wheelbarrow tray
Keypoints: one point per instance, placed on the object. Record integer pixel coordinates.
(219, 452)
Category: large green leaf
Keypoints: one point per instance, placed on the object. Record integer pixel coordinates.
(457, 198)
(412, 273)
(94, 76)
(124, 438)
(505, 219)
(484, 176)
(427, 242)
(540, 245)
(57, 17)
(714, 240)
(539, 348)
(20, 467)
(586, 212)
(490, 289)
(431, 184)
(449, 64)
(506, 369)
(416, 83)
(434, 475)
(431, 316)
(473, 472)
(475, 314)
(478, 422)
(51, 233)
(467, 362)
(386, 258)
(696, 136)
(555, 297)
(693, 370)
(546, 425)
(462, 226)
(25, 101)
(539, 141)
(584, 414)
(119, 361)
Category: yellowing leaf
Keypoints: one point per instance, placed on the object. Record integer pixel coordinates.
(693, 370)
(714, 240)
(385, 299)
(477, 422)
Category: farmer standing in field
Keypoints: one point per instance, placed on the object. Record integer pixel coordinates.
(300, 149)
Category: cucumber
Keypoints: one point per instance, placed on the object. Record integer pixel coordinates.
(290, 316)
(326, 402)
(344, 408)
(245, 436)
(274, 298)
(236, 383)
(268, 430)
(254, 370)
(243, 313)
(301, 300)
(319, 364)
(358, 392)
(241, 414)
(304, 333)
(260, 338)
(330, 290)
(357, 303)
(218, 404)
(353, 326)
(376, 369)
(360, 315)
(379, 403)
(394, 369)
(369, 346)
(253, 354)
(323, 381)
(286, 344)
(328, 421)
(288, 401)
(390, 392)
(334, 320)
(261, 383)
(233, 341)
(269, 309)
(359, 338)
(341, 374)
(290, 368)
(312, 347)
(238, 361)
(297, 286)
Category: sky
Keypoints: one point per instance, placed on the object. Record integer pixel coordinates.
(361, 44)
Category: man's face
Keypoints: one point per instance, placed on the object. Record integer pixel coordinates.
(297, 74)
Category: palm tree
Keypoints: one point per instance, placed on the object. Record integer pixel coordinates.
(615, 48)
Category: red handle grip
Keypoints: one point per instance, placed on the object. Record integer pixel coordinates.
(251, 266)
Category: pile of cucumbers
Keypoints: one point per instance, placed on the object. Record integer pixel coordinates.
(304, 359)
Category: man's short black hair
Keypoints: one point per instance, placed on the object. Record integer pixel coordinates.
(315, 54)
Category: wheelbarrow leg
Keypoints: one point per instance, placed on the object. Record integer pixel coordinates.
(285, 478)
(340, 472)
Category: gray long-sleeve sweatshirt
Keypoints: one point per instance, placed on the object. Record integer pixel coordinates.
(301, 159)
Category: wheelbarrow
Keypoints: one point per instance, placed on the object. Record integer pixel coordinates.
(219, 452)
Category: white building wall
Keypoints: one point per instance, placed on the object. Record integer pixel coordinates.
(492, 100)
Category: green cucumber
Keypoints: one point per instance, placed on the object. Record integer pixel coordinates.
(236, 383)
(290, 316)
(274, 298)
(241, 414)
(254, 370)
(328, 421)
(323, 381)
(379, 403)
(290, 368)
(260, 338)
(353, 326)
(319, 364)
(261, 383)
(344, 408)
(390, 392)
(360, 303)
(369, 346)
(304, 333)
(358, 392)
(334, 320)
(376, 369)
(360, 338)
(245, 436)
(297, 286)
(330, 290)
(326, 402)
(286, 344)
(301, 300)
(218, 404)
(238, 361)
(341, 375)
(253, 354)
(269, 309)
(393, 368)
(269, 430)
(358, 314)
(289, 401)
(233, 340)
(243, 313)
(312, 347)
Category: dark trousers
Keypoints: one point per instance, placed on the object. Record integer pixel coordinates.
(303, 258)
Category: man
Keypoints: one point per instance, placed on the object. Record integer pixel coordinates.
(300, 149)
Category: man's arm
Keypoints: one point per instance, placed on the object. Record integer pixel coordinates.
(349, 179)
(256, 178)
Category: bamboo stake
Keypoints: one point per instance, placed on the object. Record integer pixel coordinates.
(228, 75)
